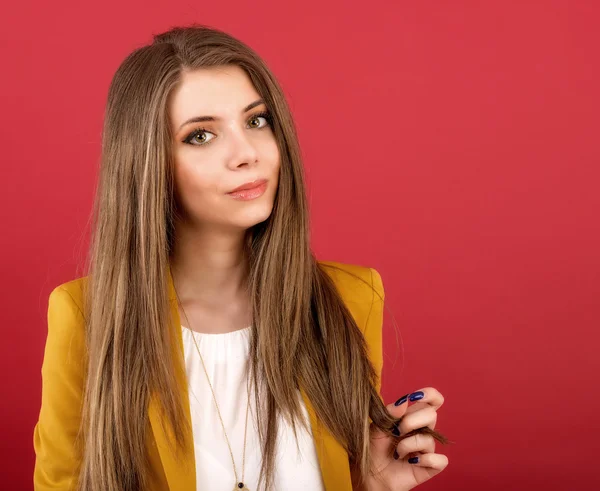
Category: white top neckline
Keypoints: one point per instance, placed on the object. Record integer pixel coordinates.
(232, 333)
(226, 357)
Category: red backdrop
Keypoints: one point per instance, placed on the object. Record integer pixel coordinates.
(451, 145)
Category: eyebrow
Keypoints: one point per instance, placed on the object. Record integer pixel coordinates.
(199, 119)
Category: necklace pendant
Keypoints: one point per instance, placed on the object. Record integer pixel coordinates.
(240, 487)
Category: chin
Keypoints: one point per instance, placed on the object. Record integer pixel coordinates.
(252, 216)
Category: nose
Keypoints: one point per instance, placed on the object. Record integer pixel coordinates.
(243, 151)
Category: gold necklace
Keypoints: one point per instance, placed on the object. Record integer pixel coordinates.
(239, 486)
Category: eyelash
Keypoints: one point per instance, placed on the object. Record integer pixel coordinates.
(199, 131)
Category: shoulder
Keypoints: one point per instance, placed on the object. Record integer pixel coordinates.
(354, 282)
(361, 290)
(69, 294)
(65, 342)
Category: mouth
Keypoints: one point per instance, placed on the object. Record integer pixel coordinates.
(250, 190)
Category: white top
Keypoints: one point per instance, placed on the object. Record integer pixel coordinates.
(226, 356)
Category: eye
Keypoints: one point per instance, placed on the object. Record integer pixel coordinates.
(191, 138)
(264, 115)
(199, 133)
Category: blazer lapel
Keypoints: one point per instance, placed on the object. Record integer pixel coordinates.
(181, 474)
(333, 458)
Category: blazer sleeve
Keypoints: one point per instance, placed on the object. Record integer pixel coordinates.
(55, 433)
(374, 327)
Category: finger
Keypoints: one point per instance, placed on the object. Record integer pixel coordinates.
(415, 443)
(435, 461)
(398, 409)
(426, 416)
(413, 401)
(429, 395)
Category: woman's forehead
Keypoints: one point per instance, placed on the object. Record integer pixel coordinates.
(219, 92)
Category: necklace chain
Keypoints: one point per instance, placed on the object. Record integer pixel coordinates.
(239, 484)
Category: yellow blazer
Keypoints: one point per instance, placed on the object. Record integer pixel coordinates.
(57, 458)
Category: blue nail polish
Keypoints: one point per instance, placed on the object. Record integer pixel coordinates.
(396, 431)
(415, 396)
(402, 400)
(413, 460)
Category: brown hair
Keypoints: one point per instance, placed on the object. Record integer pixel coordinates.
(302, 333)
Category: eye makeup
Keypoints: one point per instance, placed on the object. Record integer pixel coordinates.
(189, 139)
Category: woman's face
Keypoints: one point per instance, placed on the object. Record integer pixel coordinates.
(213, 157)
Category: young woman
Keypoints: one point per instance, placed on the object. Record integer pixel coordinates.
(206, 348)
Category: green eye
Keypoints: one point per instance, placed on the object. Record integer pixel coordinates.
(198, 132)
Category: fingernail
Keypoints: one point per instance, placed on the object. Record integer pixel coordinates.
(396, 431)
(415, 396)
(413, 460)
(402, 400)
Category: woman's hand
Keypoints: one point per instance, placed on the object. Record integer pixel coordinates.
(417, 410)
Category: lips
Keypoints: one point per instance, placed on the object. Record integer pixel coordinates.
(249, 185)
(250, 190)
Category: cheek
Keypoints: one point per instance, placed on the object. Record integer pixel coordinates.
(196, 185)
(273, 159)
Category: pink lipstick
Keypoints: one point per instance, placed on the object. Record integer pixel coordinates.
(250, 190)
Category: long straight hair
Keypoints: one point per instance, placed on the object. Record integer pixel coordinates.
(302, 333)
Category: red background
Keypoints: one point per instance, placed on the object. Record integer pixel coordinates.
(451, 145)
